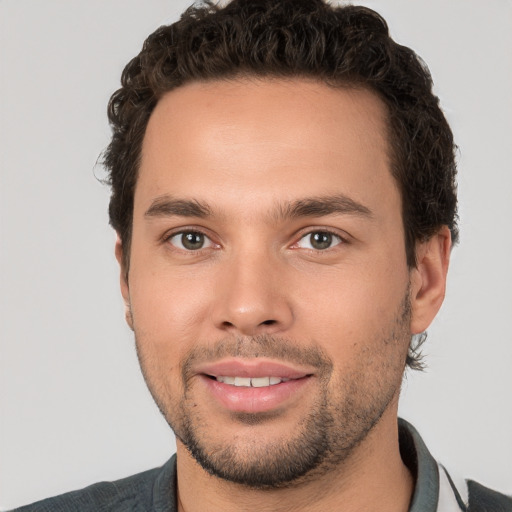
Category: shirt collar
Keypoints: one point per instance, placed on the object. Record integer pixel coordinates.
(413, 450)
(423, 467)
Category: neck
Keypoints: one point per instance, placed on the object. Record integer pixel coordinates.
(372, 478)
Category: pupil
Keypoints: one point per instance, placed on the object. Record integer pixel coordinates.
(321, 240)
(192, 240)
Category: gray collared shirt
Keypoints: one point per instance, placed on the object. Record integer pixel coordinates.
(155, 490)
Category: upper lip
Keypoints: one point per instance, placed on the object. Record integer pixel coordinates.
(251, 368)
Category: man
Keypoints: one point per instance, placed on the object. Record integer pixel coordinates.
(283, 189)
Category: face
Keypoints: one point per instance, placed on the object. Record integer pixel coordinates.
(268, 287)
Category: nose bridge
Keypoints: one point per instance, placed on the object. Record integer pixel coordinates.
(253, 299)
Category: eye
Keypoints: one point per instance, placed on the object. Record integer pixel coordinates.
(190, 241)
(319, 240)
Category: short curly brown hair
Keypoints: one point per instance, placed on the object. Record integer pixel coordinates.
(292, 38)
(344, 45)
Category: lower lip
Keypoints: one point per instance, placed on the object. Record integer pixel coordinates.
(254, 400)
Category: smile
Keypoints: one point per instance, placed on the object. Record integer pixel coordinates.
(251, 382)
(254, 385)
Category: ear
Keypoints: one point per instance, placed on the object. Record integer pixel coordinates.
(428, 279)
(123, 277)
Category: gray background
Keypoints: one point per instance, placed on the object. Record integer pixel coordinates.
(74, 408)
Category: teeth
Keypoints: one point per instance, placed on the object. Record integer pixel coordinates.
(243, 381)
(260, 382)
(255, 382)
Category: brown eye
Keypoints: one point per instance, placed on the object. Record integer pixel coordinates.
(190, 241)
(319, 240)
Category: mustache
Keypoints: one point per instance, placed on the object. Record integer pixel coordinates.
(253, 347)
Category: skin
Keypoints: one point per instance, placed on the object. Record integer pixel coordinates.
(257, 290)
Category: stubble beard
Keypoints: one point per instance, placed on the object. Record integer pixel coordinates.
(340, 419)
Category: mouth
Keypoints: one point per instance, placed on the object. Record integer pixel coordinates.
(250, 382)
(253, 386)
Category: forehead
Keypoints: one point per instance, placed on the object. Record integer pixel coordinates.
(268, 140)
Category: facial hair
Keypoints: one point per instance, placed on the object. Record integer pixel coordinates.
(344, 411)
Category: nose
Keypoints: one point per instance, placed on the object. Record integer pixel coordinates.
(252, 297)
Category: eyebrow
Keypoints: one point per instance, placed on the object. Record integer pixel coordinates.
(323, 205)
(167, 206)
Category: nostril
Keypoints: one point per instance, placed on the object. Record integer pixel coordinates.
(248, 327)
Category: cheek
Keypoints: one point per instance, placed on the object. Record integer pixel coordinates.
(164, 329)
(168, 308)
(350, 307)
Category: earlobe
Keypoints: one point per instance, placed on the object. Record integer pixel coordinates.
(123, 278)
(428, 279)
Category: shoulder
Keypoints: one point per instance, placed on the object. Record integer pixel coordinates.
(483, 499)
(471, 496)
(435, 488)
(140, 492)
(127, 494)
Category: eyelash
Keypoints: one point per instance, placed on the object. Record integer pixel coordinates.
(169, 236)
(310, 232)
